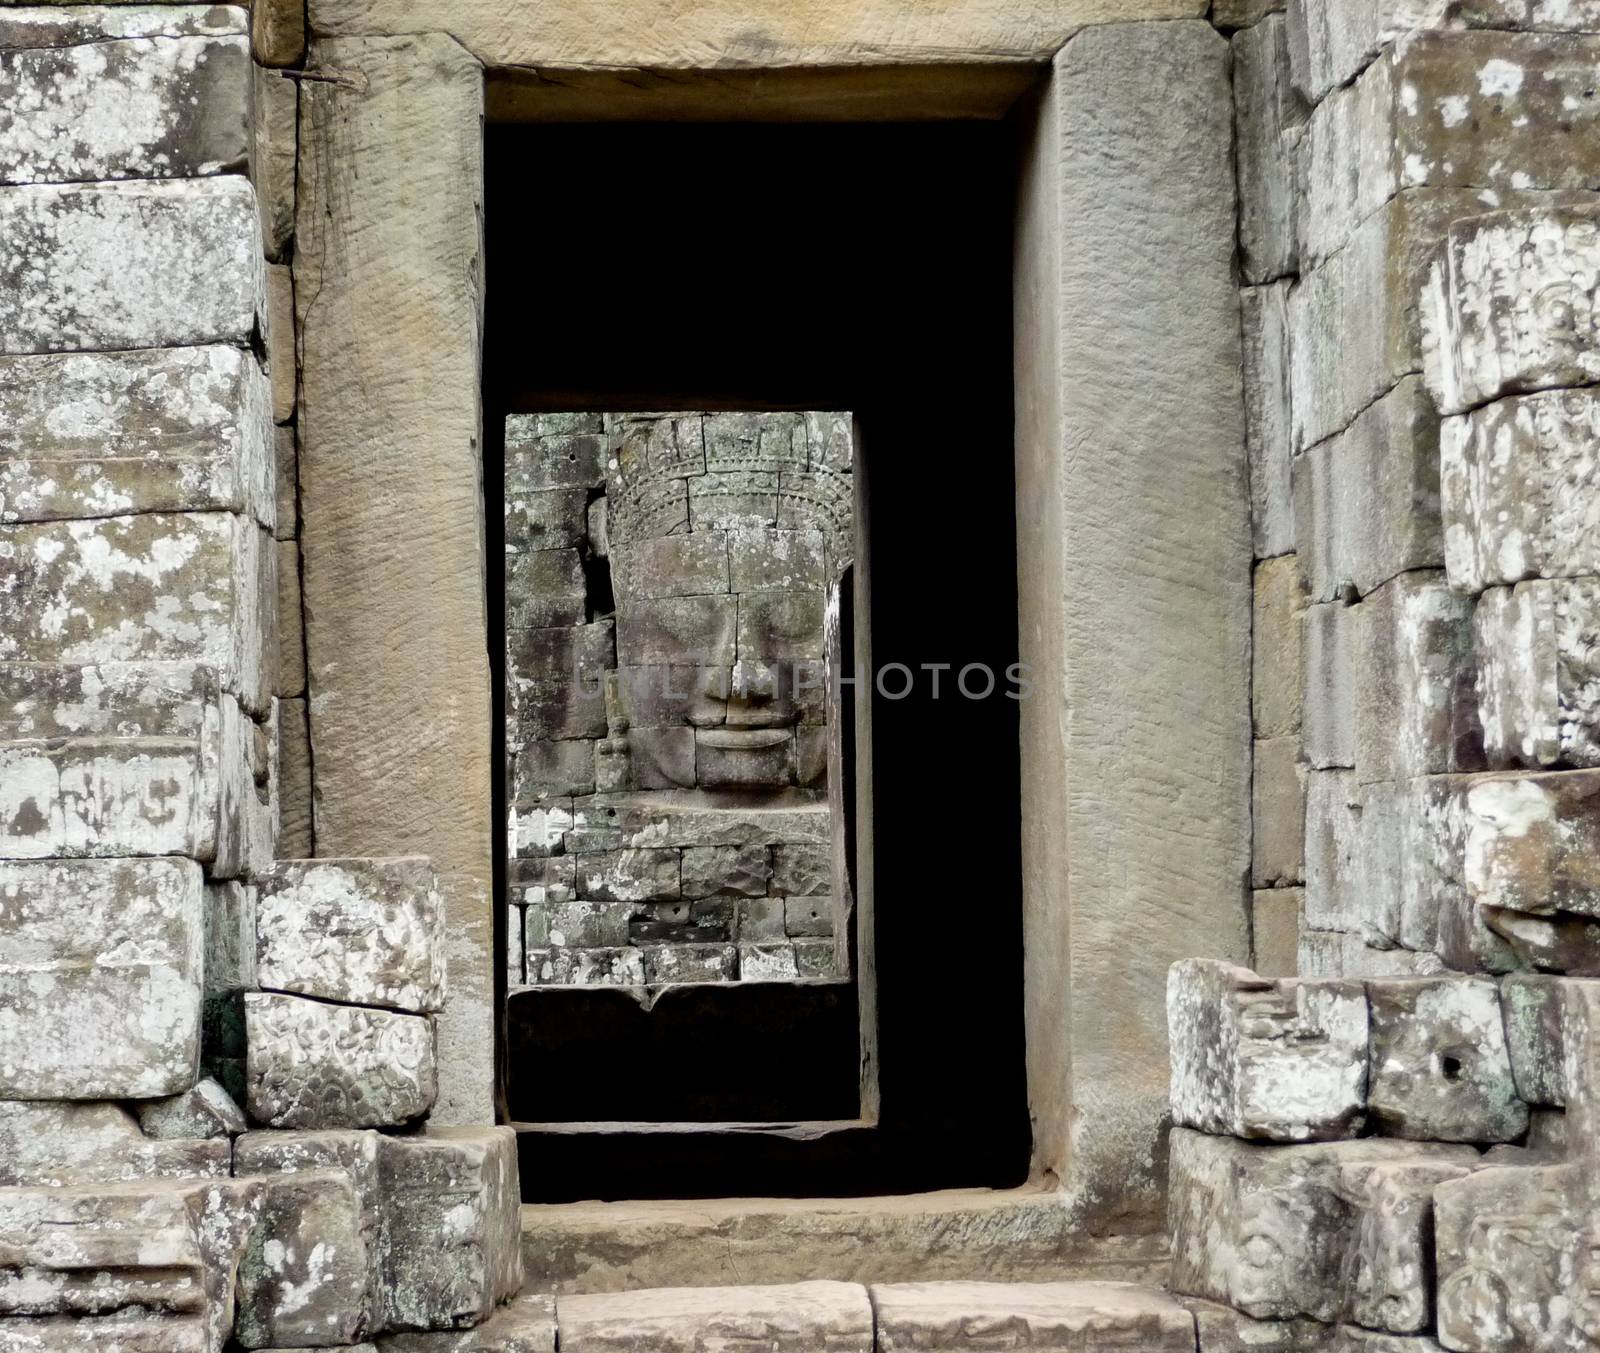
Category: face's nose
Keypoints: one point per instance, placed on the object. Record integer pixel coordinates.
(760, 695)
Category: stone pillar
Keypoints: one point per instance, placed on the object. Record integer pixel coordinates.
(1135, 583)
(388, 281)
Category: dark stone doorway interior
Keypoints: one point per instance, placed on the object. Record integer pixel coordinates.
(656, 266)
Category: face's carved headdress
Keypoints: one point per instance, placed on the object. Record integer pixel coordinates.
(670, 474)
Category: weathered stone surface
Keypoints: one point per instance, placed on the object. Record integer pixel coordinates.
(100, 973)
(387, 277)
(1516, 479)
(1526, 842)
(278, 32)
(1221, 1329)
(32, 26)
(282, 364)
(1278, 799)
(132, 108)
(645, 821)
(546, 519)
(543, 829)
(1271, 116)
(136, 1330)
(303, 1277)
(1536, 1019)
(1333, 824)
(579, 925)
(544, 589)
(294, 781)
(525, 1325)
(313, 1065)
(1515, 1260)
(1264, 317)
(1329, 711)
(274, 153)
(1312, 1230)
(290, 659)
(1051, 1317)
(665, 964)
(1276, 686)
(671, 566)
(1368, 498)
(1538, 679)
(1511, 306)
(813, 1317)
(628, 875)
(1284, 1061)
(726, 870)
(1275, 931)
(549, 767)
(1413, 636)
(150, 264)
(286, 454)
(1333, 953)
(585, 967)
(363, 932)
(203, 1112)
(1492, 111)
(1440, 1068)
(193, 587)
(90, 434)
(448, 1248)
(1560, 944)
(54, 1144)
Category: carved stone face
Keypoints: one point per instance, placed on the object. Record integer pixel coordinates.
(722, 576)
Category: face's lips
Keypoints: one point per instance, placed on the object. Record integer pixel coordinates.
(743, 739)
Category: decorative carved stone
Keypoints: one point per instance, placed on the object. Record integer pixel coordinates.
(1284, 1061)
(314, 1065)
(99, 978)
(362, 932)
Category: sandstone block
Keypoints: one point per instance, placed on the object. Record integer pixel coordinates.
(762, 920)
(1221, 1329)
(657, 820)
(1535, 1007)
(777, 561)
(286, 453)
(1390, 1264)
(450, 1246)
(1368, 498)
(1271, 115)
(1280, 1060)
(540, 829)
(585, 967)
(1527, 842)
(1335, 953)
(547, 519)
(205, 1111)
(1413, 636)
(1333, 823)
(1538, 679)
(525, 1325)
(1276, 686)
(100, 970)
(1558, 944)
(153, 264)
(546, 709)
(136, 1330)
(274, 158)
(1286, 1231)
(294, 780)
(808, 917)
(539, 457)
(575, 654)
(192, 587)
(1278, 800)
(88, 434)
(553, 767)
(550, 879)
(1440, 1067)
(670, 566)
(579, 925)
(1329, 712)
(1511, 305)
(44, 1143)
(768, 963)
(134, 108)
(290, 659)
(743, 871)
(1515, 481)
(1050, 1317)
(629, 875)
(1264, 317)
(545, 588)
(813, 1317)
(303, 1277)
(802, 869)
(666, 964)
(1275, 931)
(1493, 111)
(1514, 1261)
(698, 630)
(362, 932)
(278, 32)
(314, 1065)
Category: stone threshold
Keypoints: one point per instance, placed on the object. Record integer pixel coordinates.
(1029, 1234)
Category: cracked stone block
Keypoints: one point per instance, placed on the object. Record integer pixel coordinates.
(58, 1143)
(1329, 710)
(1538, 676)
(1484, 110)
(545, 588)
(1516, 1261)
(542, 708)
(1329, 953)
(1287, 1231)
(99, 979)
(670, 566)
(585, 967)
(67, 26)
(1527, 841)
(450, 1242)
(194, 587)
(304, 1275)
(629, 875)
(1221, 1329)
(90, 434)
(205, 1111)
(1511, 306)
(1413, 636)
(802, 868)
(359, 931)
(1270, 115)
(527, 1324)
(1440, 1067)
(657, 820)
(1466, 944)
(666, 964)
(1047, 1317)
(166, 108)
(314, 1065)
(1516, 482)
(1390, 1265)
(1368, 497)
(811, 1317)
(156, 264)
(1280, 1060)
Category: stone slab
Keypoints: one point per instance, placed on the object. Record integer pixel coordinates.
(812, 1317)
(125, 109)
(649, 821)
(93, 434)
(1264, 320)
(1328, 710)
(1271, 116)
(274, 156)
(204, 1112)
(294, 781)
(56, 1144)
(526, 1324)
(1047, 1317)
(361, 932)
(1525, 841)
(1278, 798)
(152, 264)
(1253, 1058)
(314, 1065)
(1276, 681)
(67, 25)
(100, 969)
